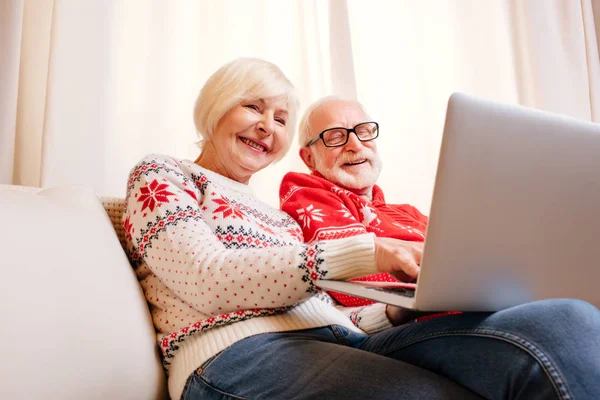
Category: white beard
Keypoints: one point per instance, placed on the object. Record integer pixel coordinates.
(365, 179)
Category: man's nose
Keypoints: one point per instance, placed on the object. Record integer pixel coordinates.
(353, 142)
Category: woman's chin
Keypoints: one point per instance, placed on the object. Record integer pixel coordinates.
(254, 166)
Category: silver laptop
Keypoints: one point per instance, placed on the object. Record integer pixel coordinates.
(515, 215)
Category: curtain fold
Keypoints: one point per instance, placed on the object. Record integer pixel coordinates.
(596, 14)
(343, 80)
(36, 42)
(11, 20)
(591, 24)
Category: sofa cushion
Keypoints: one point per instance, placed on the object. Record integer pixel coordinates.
(75, 323)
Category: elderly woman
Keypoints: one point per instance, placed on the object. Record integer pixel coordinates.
(233, 293)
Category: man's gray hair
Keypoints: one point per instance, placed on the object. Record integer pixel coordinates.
(305, 133)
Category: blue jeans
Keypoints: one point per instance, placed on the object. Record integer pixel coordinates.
(543, 350)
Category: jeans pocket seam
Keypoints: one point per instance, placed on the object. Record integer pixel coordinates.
(336, 329)
(208, 385)
(207, 363)
(199, 374)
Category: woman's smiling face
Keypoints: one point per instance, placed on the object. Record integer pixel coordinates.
(250, 137)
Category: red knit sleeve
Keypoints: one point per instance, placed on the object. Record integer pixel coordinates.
(418, 215)
(319, 211)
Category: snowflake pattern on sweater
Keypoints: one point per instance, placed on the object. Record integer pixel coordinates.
(207, 253)
(172, 219)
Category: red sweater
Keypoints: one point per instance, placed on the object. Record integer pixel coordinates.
(326, 211)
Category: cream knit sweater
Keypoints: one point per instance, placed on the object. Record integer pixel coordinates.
(217, 265)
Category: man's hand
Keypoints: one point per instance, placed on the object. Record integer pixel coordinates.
(399, 258)
(399, 315)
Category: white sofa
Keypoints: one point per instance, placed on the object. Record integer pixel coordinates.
(75, 324)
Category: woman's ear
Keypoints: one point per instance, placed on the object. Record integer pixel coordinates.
(307, 156)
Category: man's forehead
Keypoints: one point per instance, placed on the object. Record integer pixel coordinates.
(337, 113)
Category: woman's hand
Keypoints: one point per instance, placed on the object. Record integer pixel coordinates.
(399, 258)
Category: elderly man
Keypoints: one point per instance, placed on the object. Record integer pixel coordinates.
(340, 198)
(523, 352)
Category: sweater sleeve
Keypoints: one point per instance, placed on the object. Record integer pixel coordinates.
(320, 212)
(371, 318)
(166, 229)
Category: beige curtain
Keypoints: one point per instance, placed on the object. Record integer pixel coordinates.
(89, 87)
(409, 59)
(556, 56)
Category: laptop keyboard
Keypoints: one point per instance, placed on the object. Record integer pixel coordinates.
(405, 292)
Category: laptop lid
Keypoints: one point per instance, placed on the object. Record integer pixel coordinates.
(515, 214)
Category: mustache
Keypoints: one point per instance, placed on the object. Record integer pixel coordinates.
(350, 157)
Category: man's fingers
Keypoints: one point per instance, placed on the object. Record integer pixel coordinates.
(412, 270)
(418, 254)
(398, 257)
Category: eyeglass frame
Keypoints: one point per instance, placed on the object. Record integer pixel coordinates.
(348, 131)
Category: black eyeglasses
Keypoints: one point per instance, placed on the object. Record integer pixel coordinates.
(335, 137)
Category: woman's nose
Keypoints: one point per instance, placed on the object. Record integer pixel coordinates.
(266, 126)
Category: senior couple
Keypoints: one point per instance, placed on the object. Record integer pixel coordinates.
(231, 281)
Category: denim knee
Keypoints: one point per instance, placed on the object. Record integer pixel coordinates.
(572, 311)
(578, 313)
(564, 318)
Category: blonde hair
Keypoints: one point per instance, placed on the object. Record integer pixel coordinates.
(305, 133)
(240, 80)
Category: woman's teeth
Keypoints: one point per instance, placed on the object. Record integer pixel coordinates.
(253, 144)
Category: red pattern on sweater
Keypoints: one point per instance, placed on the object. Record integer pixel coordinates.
(326, 211)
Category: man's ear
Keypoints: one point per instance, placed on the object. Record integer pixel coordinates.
(307, 156)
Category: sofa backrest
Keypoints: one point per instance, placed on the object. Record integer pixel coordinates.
(75, 323)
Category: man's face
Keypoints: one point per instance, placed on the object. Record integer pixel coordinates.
(355, 165)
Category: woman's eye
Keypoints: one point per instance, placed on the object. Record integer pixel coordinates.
(280, 120)
(252, 107)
